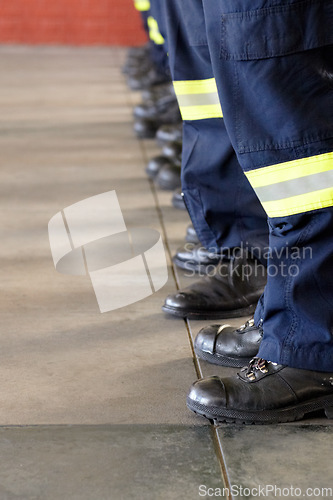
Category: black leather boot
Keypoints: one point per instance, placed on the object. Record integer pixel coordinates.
(226, 346)
(146, 128)
(177, 199)
(263, 393)
(136, 57)
(144, 79)
(155, 164)
(155, 93)
(151, 110)
(168, 177)
(169, 133)
(196, 258)
(135, 68)
(191, 235)
(173, 149)
(232, 291)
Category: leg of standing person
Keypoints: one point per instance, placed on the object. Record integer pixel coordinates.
(273, 65)
(222, 205)
(157, 72)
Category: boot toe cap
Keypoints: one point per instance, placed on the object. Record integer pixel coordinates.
(155, 164)
(176, 301)
(208, 392)
(168, 177)
(185, 253)
(206, 339)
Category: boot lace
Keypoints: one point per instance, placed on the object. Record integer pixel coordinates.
(248, 324)
(255, 365)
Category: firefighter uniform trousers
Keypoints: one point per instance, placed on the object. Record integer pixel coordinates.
(143, 6)
(222, 205)
(150, 12)
(273, 66)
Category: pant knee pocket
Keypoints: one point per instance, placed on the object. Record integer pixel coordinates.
(277, 30)
(278, 58)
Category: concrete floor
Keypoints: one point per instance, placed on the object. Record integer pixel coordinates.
(93, 405)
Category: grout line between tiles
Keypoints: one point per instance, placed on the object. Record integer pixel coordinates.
(198, 370)
(215, 436)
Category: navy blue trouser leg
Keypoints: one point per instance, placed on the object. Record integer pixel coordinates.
(143, 6)
(159, 50)
(298, 299)
(273, 65)
(153, 23)
(222, 205)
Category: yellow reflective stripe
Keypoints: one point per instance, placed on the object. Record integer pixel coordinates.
(183, 87)
(142, 5)
(201, 112)
(299, 204)
(198, 99)
(296, 186)
(290, 170)
(154, 32)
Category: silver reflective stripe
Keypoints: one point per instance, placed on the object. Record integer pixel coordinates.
(295, 187)
(198, 99)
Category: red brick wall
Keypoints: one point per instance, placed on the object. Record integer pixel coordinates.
(70, 22)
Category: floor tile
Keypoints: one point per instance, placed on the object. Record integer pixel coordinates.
(67, 134)
(139, 462)
(281, 456)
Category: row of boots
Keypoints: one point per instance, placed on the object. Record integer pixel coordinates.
(229, 285)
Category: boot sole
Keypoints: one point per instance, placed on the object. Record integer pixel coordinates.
(216, 359)
(235, 313)
(289, 414)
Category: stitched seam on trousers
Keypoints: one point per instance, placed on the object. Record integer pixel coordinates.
(237, 117)
(239, 220)
(292, 144)
(297, 349)
(275, 9)
(292, 8)
(330, 304)
(222, 37)
(288, 339)
(298, 156)
(186, 159)
(318, 355)
(193, 217)
(289, 307)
